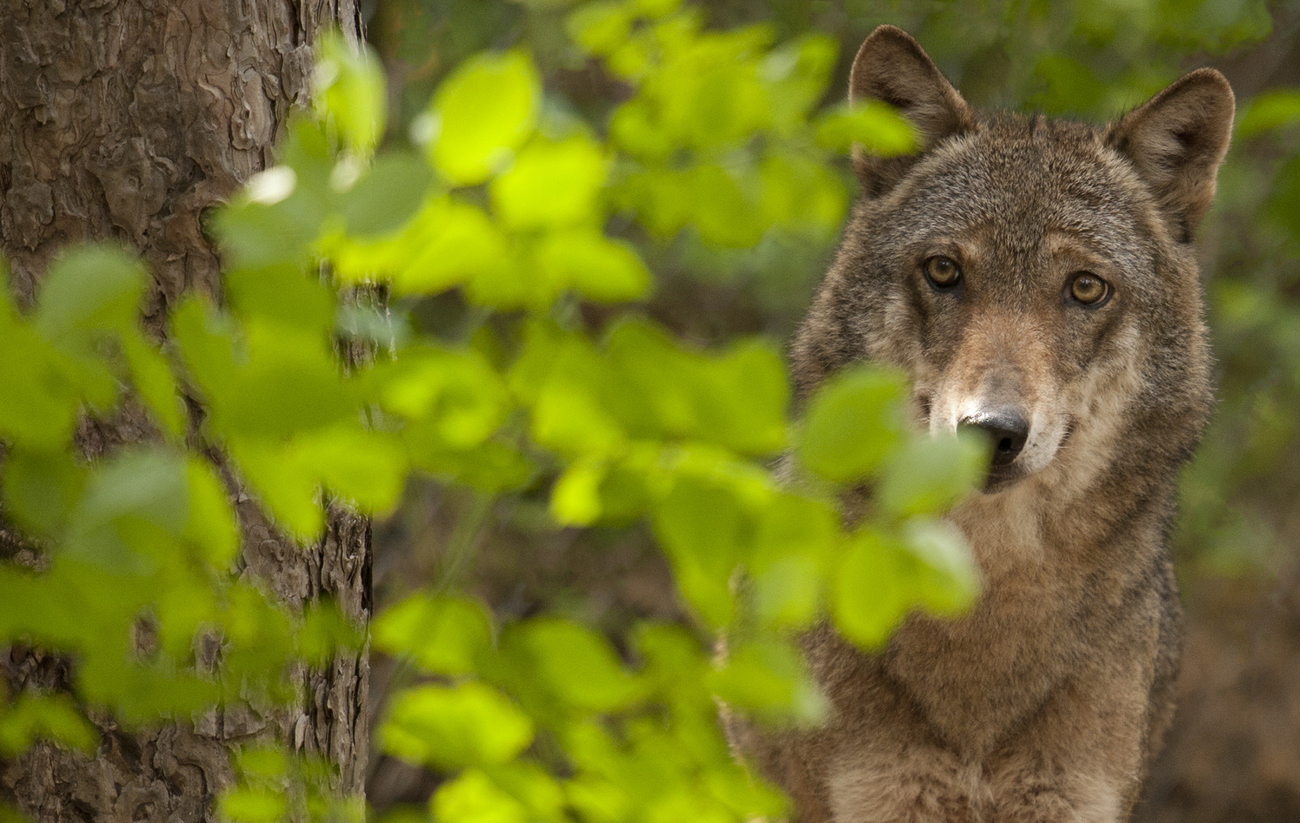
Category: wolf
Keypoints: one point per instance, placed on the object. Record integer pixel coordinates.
(1034, 279)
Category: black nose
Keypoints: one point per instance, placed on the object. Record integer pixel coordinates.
(1007, 429)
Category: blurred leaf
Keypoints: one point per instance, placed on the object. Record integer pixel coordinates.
(577, 666)
(387, 195)
(551, 184)
(871, 590)
(600, 27)
(444, 635)
(152, 377)
(447, 243)
(769, 679)
(211, 521)
(1269, 110)
(876, 127)
(797, 538)
(949, 580)
(482, 113)
(575, 500)
(703, 530)
(41, 489)
(931, 474)
(89, 290)
(242, 804)
(472, 797)
(448, 727)
(44, 716)
(854, 421)
(366, 467)
(348, 88)
(601, 269)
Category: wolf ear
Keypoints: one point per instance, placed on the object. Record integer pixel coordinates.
(892, 67)
(1176, 141)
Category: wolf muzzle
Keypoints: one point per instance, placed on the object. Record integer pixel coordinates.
(1007, 429)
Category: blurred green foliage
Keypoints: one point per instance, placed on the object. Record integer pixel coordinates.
(551, 163)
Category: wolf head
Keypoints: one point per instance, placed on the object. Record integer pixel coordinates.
(1033, 278)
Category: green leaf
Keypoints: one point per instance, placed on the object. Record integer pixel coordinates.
(448, 243)
(245, 804)
(481, 114)
(601, 269)
(601, 27)
(948, 578)
(387, 195)
(577, 666)
(366, 467)
(55, 717)
(575, 500)
(872, 589)
(135, 503)
(473, 797)
(444, 635)
(769, 679)
(458, 392)
(283, 295)
(551, 184)
(1269, 110)
(349, 90)
(152, 377)
(797, 539)
(853, 423)
(704, 529)
(41, 489)
(875, 127)
(288, 489)
(932, 474)
(89, 290)
(45, 386)
(724, 206)
(449, 727)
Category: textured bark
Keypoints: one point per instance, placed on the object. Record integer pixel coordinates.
(126, 119)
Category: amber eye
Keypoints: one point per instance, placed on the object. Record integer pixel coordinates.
(942, 272)
(1089, 289)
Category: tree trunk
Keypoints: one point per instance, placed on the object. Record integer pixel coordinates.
(126, 119)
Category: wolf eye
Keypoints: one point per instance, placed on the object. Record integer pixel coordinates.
(942, 272)
(1089, 289)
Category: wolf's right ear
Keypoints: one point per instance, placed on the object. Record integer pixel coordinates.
(892, 67)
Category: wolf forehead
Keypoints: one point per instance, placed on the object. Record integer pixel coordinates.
(1018, 183)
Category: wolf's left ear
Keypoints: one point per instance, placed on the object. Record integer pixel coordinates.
(891, 66)
(1176, 141)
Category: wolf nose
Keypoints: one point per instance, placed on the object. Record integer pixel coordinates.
(1008, 429)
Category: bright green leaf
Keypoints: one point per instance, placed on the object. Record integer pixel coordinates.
(481, 114)
(601, 269)
(551, 184)
(348, 88)
(445, 635)
(446, 727)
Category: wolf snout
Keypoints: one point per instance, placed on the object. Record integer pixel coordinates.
(1006, 428)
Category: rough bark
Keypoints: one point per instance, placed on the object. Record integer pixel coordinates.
(126, 119)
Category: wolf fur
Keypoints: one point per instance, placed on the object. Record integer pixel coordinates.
(1048, 701)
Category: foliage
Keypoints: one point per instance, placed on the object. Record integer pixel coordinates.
(539, 209)
(524, 210)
